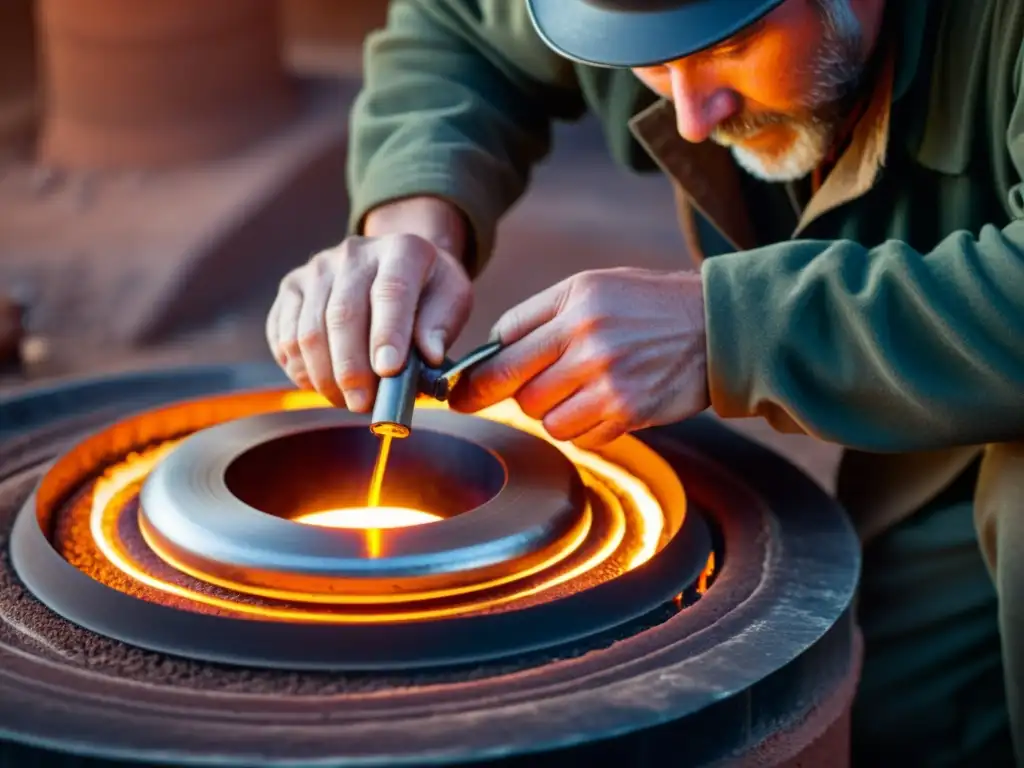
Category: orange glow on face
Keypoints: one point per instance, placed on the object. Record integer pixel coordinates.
(768, 67)
(777, 92)
(631, 535)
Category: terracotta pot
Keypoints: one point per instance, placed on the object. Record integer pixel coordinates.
(159, 83)
(332, 22)
(18, 102)
(11, 331)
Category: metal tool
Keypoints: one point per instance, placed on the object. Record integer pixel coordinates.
(396, 395)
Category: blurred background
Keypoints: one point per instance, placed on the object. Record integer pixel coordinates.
(163, 164)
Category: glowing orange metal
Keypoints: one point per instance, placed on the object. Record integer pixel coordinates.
(617, 486)
(706, 574)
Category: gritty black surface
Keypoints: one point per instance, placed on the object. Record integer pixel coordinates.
(27, 624)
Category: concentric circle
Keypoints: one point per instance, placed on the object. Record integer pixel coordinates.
(572, 535)
(537, 506)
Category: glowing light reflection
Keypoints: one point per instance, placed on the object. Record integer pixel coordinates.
(509, 412)
(364, 518)
(611, 482)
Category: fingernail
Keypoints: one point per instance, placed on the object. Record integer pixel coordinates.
(356, 400)
(495, 335)
(386, 359)
(435, 344)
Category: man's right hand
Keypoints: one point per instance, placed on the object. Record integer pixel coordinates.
(349, 315)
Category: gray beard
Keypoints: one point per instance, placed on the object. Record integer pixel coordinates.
(836, 73)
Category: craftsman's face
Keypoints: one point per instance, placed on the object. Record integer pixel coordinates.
(777, 92)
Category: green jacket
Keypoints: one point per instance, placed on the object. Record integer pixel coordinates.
(880, 314)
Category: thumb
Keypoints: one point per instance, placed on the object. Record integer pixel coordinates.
(539, 309)
(444, 309)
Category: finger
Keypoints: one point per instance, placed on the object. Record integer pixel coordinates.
(504, 374)
(600, 436)
(279, 321)
(347, 320)
(287, 334)
(273, 342)
(550, 388)
(576, 416)
(443, 310)
(531, 314)
(394, 296)
(313, 342)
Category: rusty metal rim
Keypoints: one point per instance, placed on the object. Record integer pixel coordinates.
(348, 647)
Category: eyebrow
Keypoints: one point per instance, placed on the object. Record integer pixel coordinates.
(743, 35)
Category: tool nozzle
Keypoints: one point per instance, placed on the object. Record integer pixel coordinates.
(396, 395)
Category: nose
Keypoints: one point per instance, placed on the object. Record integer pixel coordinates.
(700, 106)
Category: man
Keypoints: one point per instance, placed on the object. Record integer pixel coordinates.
(854, 168)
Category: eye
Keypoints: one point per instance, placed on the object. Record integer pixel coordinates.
(657, 71)
(740, 42)
(655, 76)
(733, 47)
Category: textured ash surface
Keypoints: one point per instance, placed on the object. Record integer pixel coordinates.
(74, 542)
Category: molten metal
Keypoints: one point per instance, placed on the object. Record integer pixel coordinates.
(634, 531)
(373, 519)
(368, 518)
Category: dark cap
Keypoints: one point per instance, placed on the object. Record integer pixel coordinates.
(634, 33)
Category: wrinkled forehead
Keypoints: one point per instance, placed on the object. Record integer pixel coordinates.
(637, 33)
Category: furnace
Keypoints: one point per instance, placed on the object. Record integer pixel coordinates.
(191, 575)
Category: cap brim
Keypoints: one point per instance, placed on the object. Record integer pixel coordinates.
(608, 37)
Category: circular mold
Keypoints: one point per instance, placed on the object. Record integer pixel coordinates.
(264, 628)
(219, 503)
(757, 650)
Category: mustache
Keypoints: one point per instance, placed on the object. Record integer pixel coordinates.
(818, 113)
(746, 124)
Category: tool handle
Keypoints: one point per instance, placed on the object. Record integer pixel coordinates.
(439, 382)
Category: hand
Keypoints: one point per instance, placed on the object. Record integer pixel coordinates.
(600, 354)
(366, 299)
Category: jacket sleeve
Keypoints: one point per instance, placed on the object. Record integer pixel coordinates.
(883, 349)
(457, 102)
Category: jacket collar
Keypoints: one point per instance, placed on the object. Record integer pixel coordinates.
(909, 44)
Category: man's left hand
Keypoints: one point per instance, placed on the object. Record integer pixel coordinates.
(600, 354)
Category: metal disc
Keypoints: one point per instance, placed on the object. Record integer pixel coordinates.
(188, 504)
